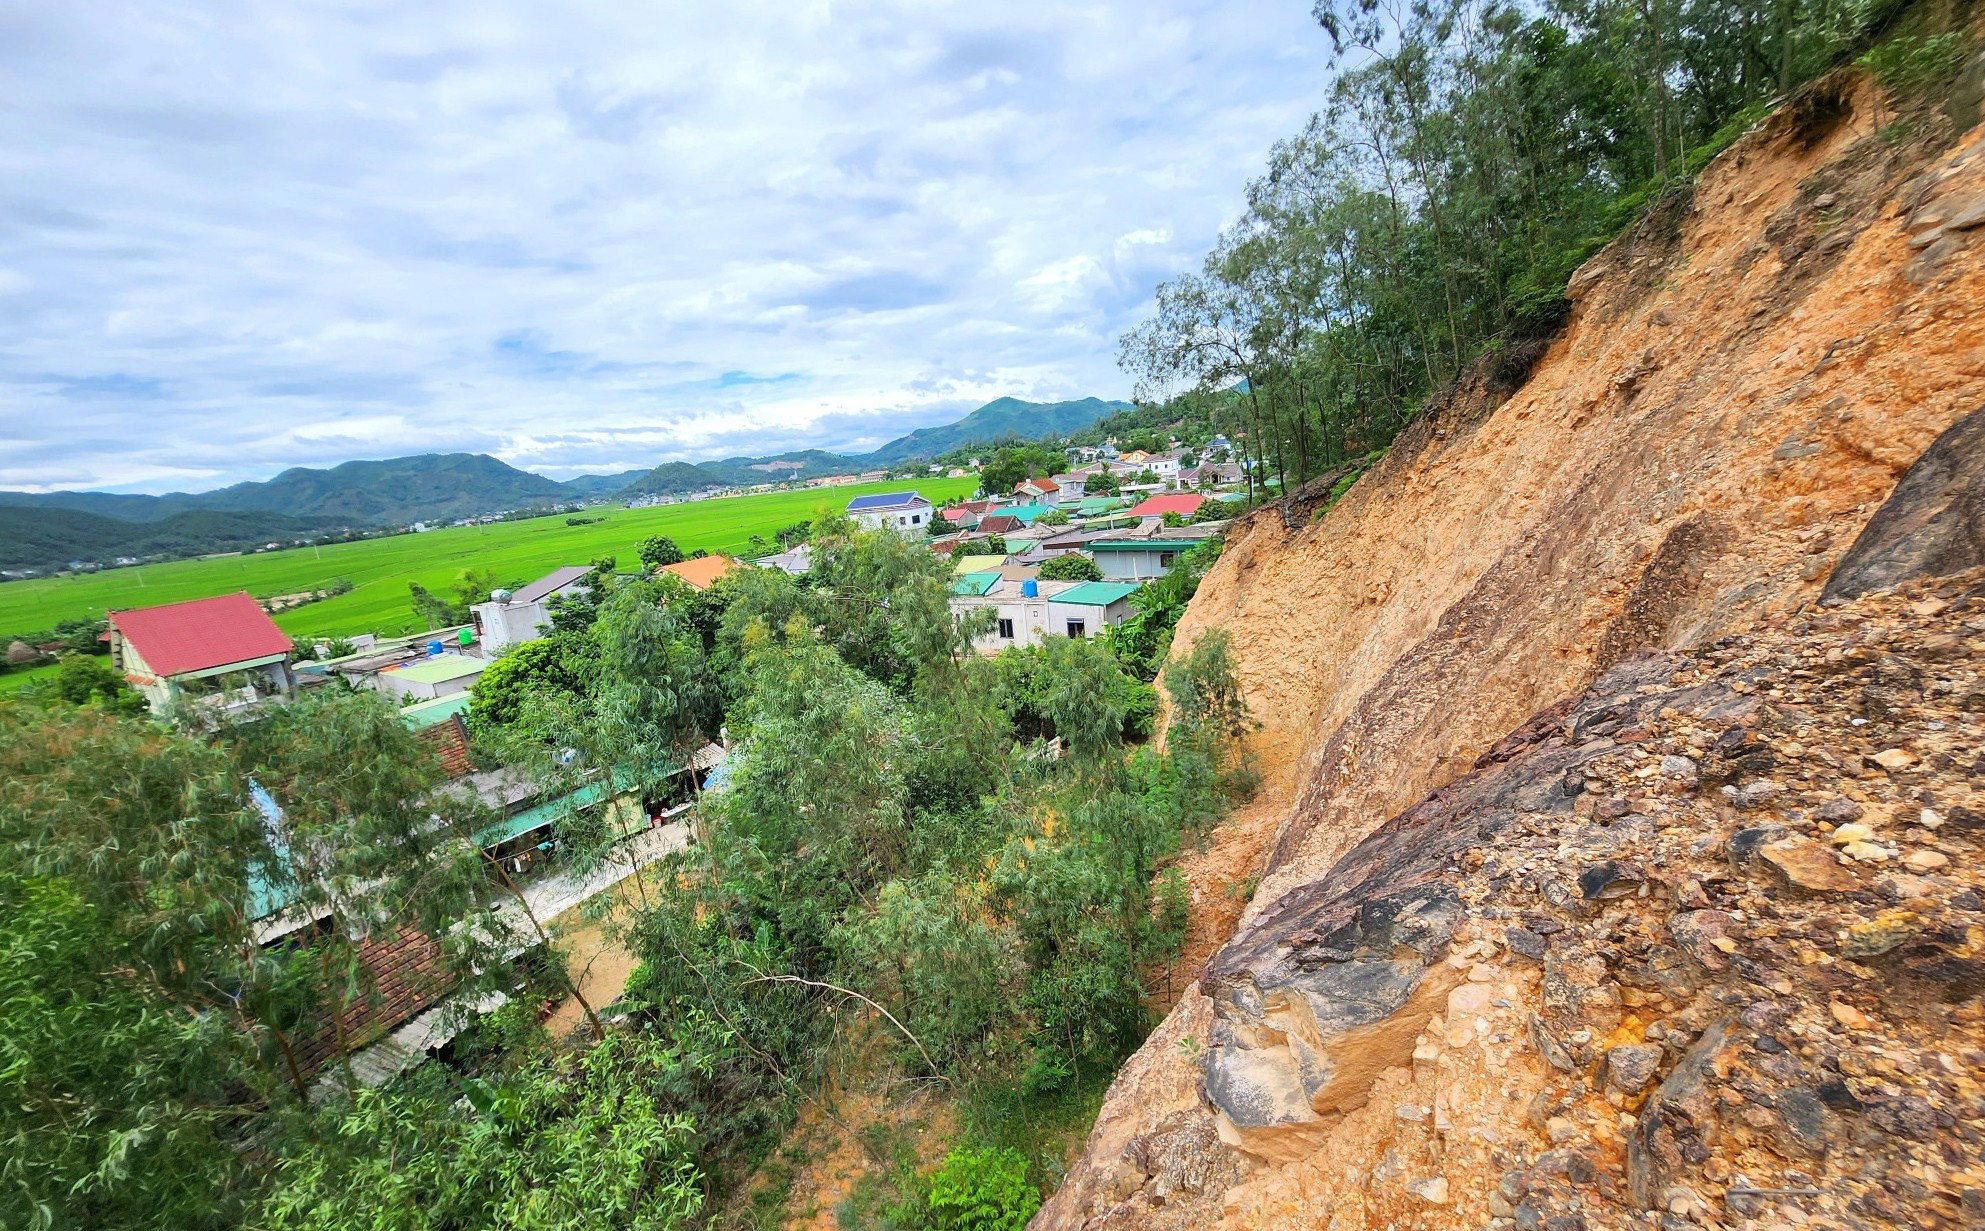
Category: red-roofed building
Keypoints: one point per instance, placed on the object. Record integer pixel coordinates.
(1038, 491)
(1185, 504)
(226, 648)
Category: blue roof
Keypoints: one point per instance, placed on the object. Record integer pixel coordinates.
(885, 500)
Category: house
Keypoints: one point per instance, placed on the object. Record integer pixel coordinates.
(1000, 523)
(424, 679)
(222, 651)
(962, 517)
(975, 564)
(795, 561)
(1165, 465)
(1071, 485)
(1038, 491)
(1027, 610)
(700, 572)
(1185, 504)
(1137, 559)
(512, 617)
(904, 512)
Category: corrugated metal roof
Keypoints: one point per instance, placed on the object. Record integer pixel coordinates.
(201, 634)
(1144, 544)
(549, 584)
(974, 583)
(440, 669)
(440, 709)
(883, 500)
(975, 564)
(1096, 593)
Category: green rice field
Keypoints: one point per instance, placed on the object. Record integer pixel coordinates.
(379, 569)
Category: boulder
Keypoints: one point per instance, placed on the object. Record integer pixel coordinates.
(1933, 523)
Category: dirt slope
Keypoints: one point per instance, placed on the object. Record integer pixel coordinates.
(1741, 383)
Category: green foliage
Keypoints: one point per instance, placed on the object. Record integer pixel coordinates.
(1470, 158)
(87, 680)
(1074, 566)
(1916, 64)
(1011, 466)
(122, 935)
(561, 1144)
(112, 1112)
(565, 664)
(995, 545)
(657, 550)
(1054, 517)
(982, 1190)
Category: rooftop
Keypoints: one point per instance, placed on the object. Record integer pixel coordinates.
(975, 564)
(440, 709)
(1096, 593)
(1185, 504)
(974, 583)
(201, 634)
(1144, 544)
(884, 500)
(701, 572)
(550, 584)
(440, 669)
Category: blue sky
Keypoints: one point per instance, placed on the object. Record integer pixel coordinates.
(584, 237)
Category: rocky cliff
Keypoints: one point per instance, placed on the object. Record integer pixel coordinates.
(1623, 877)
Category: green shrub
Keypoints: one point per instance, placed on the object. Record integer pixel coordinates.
(982, 1190)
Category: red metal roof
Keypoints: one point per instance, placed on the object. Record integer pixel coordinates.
(201, 633)
(1185, 504)
(1039, 485)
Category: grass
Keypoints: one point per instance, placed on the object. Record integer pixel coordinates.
(14, 681)
(379, 569)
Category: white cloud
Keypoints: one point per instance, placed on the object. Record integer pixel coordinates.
(239, 237)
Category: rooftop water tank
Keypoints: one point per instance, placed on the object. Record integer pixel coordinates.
(467, 636)
(499, 596)
(1030, 588)
(433, 648)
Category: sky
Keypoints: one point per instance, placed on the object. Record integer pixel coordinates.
(595, 235)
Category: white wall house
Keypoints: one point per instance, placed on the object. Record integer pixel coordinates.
(1026, 612)
(512, 617)
(907, 513)
(1137, 559)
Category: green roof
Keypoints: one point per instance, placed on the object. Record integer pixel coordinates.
(976, 564)
(440, 669)
(441, 709)
(1090, 505)
(1143, 544)
(543, 814)
(1095, 593)
(974, 583)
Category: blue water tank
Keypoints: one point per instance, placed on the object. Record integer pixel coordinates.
(433, 648)
(1030, 588)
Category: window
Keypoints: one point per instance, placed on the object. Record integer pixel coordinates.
(1006, 630)
(1165, 558)
(918, 520)
(1078, 628)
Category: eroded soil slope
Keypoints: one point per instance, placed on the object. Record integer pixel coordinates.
(1742, 382)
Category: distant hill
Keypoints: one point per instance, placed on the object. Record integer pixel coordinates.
(587, 486)
(50, 538)
(360, 495)
(670, 479)
(428, 486)
(1000, 419)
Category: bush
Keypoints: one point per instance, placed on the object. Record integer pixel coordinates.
(982, 1190)
(1072, 567)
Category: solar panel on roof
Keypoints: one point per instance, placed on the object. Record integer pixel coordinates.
(882, 501)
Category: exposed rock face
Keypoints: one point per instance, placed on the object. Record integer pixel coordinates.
(1467, 992)
(1570, 989)
(1933, 524)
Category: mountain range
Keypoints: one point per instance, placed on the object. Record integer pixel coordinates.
(45, 529)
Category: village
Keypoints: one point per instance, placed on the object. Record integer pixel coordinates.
(1061, 555)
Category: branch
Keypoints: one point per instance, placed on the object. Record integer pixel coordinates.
(935, 1071)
